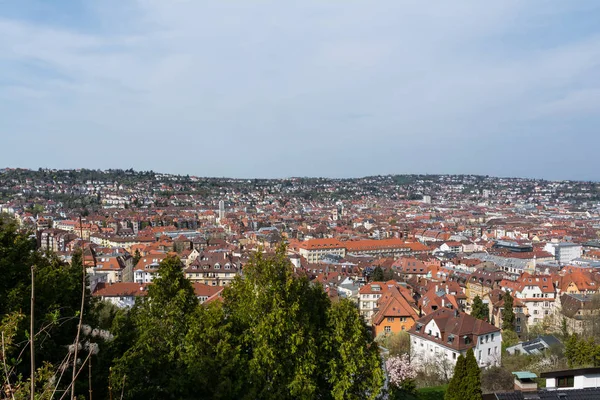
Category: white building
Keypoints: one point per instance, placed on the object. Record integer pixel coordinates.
(582, 378)
(446, 334)
(538, 294)
(315, 249)
(564, 252)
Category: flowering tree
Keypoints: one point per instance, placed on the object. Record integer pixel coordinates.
(401, 373)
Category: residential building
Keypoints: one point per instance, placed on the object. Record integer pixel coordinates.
(446, 334)
(395, 312)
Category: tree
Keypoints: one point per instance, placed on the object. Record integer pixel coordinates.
(136, 257)
(291, 342)
(153, 366)
(508, 315)
(354, 367)
(571, 350)
(402, 375)
(457, 383)
(56, 311)
(479, 309)
(497, 379)
(378, 275)
(509, 338)
(472, 381)
(396, 343)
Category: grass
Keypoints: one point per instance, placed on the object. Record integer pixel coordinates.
(432, 393)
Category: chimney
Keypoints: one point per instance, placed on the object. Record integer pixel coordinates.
(443, 303)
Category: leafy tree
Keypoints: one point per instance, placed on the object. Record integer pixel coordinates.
(58, 293)
(479, 309)
(509, 338)
(401, 376)
(457, 383)
(354, 366)
(497, 379)
(291, 342)
(153, 366)
(508, 315)
(472, 381)
(378, 275)
(396, 343)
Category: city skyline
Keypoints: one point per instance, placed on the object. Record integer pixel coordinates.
(275, 90)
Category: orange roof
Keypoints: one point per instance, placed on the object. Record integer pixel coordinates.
(315, 244)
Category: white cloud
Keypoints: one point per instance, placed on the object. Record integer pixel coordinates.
(270, 76)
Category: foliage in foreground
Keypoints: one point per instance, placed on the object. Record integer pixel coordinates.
(274, 336)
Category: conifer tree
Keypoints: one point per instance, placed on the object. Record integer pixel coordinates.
(455, 388)
(508, 315)
(472, 382)
(571, 350)
(378, 275)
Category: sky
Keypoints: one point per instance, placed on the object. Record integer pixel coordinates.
(281, 88)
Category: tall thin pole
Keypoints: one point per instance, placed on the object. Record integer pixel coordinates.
(90, 376)
(32, 333)
(76, 348)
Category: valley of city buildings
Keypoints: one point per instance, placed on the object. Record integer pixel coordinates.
(417, 255)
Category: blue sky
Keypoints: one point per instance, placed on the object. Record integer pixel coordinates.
(340, 88)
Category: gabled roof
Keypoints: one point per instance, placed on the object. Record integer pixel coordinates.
(454, 327)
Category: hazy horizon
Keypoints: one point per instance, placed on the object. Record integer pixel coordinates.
(317, 88)
(35, 169)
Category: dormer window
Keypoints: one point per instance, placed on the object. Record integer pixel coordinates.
(450, 338)
(467, 340)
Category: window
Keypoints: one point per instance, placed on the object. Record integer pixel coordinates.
(479, 355)
(518, 320)
(387, 329)
(565, 381)
(518, 328)
(489, 351)
(390, 319)
(402, 319)
(454, 356)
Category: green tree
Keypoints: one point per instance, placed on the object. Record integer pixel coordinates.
(508, 315)
(456, 386)
(378, 275)
(153, 366)
(472, 381)
(479, 309)
(354, 366)
(571, 350)
(58, 293)
(509, 338)
(292, 344)
(136, 257)
(212, 355)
